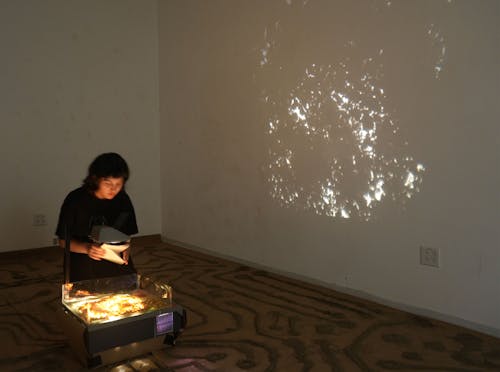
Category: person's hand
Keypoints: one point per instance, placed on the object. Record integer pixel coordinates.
(95, 252)
(126, 252)
(126, 255)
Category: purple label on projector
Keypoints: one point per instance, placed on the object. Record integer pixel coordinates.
(164, 323)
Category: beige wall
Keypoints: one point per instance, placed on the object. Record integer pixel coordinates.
(250, 173)
(81, 77)
(77, 78)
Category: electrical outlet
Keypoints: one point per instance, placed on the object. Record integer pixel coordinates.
(429, 256)
(39, 220)
(55, 241)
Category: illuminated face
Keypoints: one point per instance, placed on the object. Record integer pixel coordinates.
(109, 187)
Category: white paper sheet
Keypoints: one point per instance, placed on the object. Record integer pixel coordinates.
(112, 252)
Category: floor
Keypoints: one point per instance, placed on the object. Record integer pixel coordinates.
(239, 319)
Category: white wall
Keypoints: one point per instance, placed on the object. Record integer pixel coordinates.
(228, 73)
(77, 78)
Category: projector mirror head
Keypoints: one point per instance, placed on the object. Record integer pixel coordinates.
(106, 234)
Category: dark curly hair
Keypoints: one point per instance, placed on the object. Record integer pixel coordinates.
(109, 164)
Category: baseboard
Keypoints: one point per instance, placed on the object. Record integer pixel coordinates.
(369, 297)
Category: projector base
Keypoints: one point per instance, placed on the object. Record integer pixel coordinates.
(91, 355)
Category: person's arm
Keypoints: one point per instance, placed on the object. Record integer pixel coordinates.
(93, 251)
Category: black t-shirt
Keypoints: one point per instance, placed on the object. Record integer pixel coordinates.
(80, 211)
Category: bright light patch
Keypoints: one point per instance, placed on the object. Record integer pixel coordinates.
(342, 130)
(439, 46)
(335, 146)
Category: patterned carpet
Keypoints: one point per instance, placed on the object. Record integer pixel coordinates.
(239, 319)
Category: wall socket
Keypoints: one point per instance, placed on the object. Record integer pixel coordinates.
(429, 256)
(39, 220)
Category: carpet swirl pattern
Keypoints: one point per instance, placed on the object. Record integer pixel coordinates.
(239, 319)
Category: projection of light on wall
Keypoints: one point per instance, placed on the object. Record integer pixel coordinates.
(339, 121)
(335, 146)
(439, 44)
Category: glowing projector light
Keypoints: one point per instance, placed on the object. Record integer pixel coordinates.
(335, 148)
(334, 144)
(111, 307)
